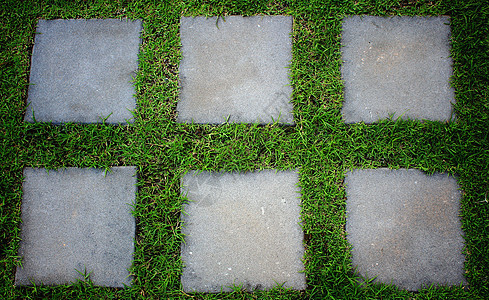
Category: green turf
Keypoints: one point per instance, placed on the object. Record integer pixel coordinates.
(321, 146)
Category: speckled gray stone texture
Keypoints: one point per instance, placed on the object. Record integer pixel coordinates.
(242, 229)
(235, 70)
(81, 71)
(404, 227)
(77, 219)
(398, 66)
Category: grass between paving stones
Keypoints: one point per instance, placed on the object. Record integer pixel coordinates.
(320, 144)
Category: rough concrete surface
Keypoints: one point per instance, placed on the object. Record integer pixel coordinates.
(76, 220)
(235, 70)
(404, 227)
(398, 66)
(242, 229)
(81, 71)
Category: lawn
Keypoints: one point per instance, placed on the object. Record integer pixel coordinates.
(320, 145)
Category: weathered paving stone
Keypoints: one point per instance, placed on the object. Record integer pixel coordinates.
(81, 71)
(235, 70)
(75, 220)
(404, 227)
(399, 66)
(242, 229)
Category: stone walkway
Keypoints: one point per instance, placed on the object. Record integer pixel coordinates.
(240, 228)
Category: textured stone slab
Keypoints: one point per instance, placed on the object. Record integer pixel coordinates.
(76, 220)
(242, 229)
(235, 69)
(398, 66)
(81, 71)
(404, 227)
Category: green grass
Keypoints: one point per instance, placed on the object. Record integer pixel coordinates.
(320, 144)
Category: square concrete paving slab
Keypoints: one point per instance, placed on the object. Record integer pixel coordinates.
(398, 66)
(235, 70)
(404, 227)
(81, 71)
(242, 229)
(76, 220)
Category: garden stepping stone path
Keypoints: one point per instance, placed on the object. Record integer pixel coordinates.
(236, 70)
(404, 227)
(81, 71)
(242, 229)
(399, 66)
(75, 220)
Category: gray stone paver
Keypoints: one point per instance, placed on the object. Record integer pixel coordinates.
(77, 219)
(242, 229)
(404, 227)
(236, 69)
(399, 66)
(81, 71)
